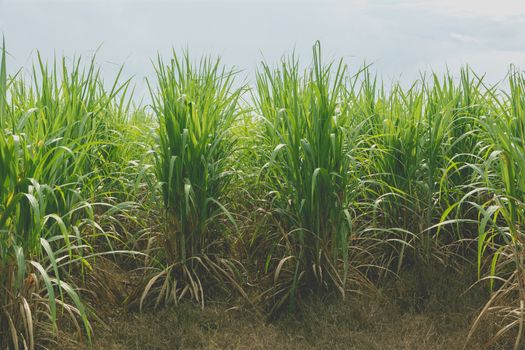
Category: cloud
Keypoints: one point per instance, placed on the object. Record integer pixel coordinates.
(465, 38)
(500, 9)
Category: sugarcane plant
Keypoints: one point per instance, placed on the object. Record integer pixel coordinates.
(307, 173)
(196, 105)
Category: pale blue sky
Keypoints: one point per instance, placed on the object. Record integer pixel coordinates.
(401, 38)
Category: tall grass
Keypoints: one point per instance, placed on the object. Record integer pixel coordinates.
(343, 177)
(501, 218)
(420, 147)
(56, 137)
(196, 105)
(304, 117)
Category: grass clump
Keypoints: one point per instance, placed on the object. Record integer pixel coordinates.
(54, 152)
(304, 118)
(196, 105)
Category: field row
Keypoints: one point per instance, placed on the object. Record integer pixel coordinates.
(316, 181)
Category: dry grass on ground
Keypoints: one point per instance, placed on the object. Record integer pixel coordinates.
(402, 317)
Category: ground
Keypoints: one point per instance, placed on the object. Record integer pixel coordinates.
(400, 317)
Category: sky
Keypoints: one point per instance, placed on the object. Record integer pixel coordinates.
(400, 38)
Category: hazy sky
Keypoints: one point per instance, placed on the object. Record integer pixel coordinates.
(399, 37)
